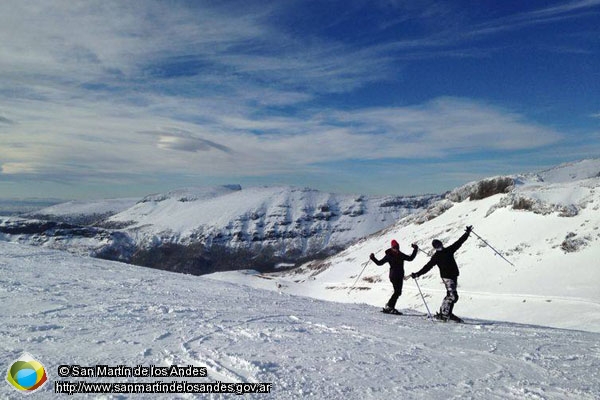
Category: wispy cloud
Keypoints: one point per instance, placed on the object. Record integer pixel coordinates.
(120, 91)
(567, 10)
(181, 140)
(65, 139)
(119, 47)
(455, 35)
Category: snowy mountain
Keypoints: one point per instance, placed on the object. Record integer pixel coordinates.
(288, 220)
(68, 310)
(199, 230)
(83, 212)
(547, 224)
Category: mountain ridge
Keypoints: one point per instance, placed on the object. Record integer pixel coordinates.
(195, 230)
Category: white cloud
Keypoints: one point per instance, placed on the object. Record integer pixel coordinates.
(452, 125)
(70, 140)
(11, 168)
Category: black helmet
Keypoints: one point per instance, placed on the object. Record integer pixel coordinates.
(437, 244)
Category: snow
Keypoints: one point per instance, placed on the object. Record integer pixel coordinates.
(571, 171)
(64, 309)
(193, 193)
(554, 246)
(221, 209)
(564, 194)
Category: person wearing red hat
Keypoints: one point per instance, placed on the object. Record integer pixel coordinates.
(396, 259)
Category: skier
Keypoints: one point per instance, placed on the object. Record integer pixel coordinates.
(396, 259)
(444, 259)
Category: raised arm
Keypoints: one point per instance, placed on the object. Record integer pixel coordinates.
(413, 255)
(456, 245)
(376, 261)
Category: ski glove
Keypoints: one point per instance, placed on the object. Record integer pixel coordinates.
(469, 228)
(414, 246)
(413, 275)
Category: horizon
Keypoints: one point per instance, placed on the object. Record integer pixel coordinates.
(58, 200)
(110, 99)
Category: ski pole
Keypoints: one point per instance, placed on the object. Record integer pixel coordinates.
(424, 302)
(424, 252)
(421, 250)
(358, 277)
(490, 246)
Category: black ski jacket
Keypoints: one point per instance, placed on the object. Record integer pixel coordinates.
(444, 259)
(396, 259)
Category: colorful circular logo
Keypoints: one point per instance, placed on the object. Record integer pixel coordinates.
(26, 374)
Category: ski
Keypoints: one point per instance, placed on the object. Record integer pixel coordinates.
(395, 312)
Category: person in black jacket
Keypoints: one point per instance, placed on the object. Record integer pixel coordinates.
(396, 259)
(444, 259)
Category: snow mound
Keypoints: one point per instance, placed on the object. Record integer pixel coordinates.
(431, 212)
(570, 172)
(522, 201)
(482, 189)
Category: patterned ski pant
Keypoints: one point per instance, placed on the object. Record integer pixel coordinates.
(451, 296)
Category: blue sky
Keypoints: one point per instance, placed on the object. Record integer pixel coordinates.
(112, 98)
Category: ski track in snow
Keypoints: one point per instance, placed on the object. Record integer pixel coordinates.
(68, 310)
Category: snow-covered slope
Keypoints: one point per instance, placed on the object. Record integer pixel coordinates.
(68, 310)
(547, 224)
(570, 172)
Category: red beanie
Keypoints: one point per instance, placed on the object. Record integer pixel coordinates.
(395, 244)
